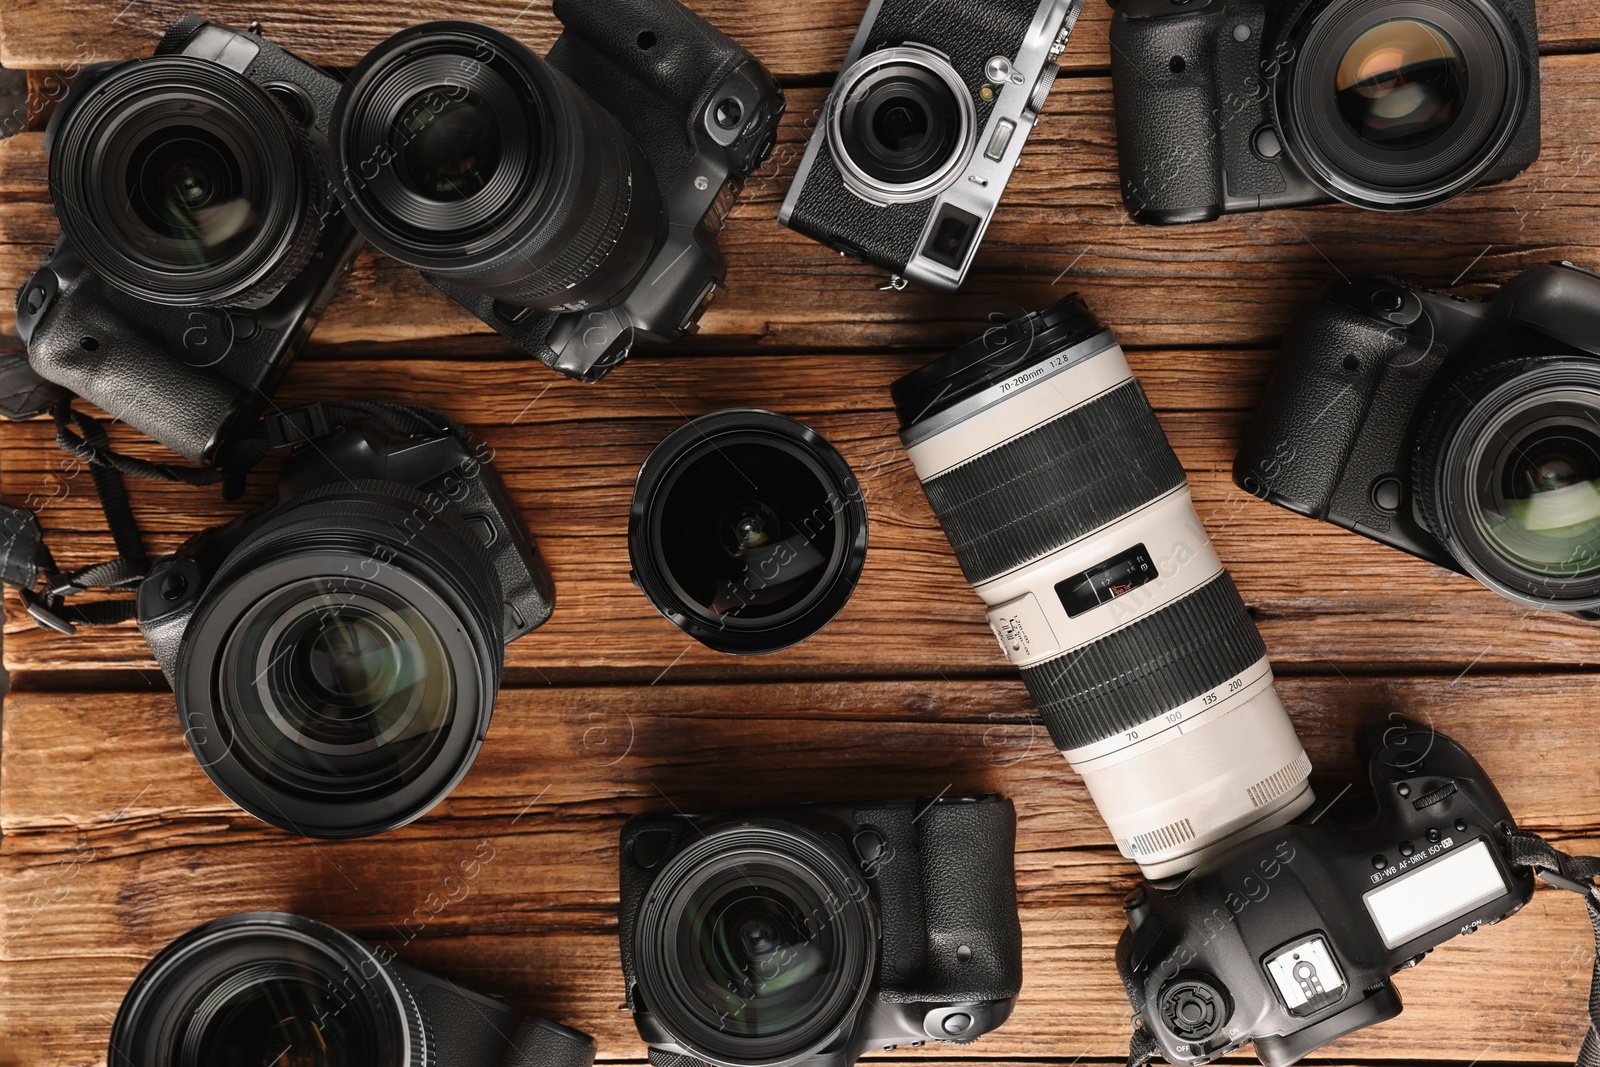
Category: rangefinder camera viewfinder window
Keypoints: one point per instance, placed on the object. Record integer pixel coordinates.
(1070, 515)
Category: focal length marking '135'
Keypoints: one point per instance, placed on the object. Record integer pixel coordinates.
(1071, 517)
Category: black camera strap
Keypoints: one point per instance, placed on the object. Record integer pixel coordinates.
(1576, 874)
(25, 559)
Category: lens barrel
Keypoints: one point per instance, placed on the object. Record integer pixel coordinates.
(1070, 515)
(755, 943)
(748, 530)
(241, 990)
(459, 151)
(183, 182)
(339, 671)
(1508, 477)
(1402, 103)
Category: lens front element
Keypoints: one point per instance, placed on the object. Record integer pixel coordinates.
(451, 144)
(755, 943)
(278, 1016)
(1401, 84)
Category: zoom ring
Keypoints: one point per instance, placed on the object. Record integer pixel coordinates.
(1161, 662)
(1055, 483)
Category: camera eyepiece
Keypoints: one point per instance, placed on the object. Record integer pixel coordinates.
(183, 182)
(748, 530)
(458, 150)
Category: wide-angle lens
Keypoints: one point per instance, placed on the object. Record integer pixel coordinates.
(901, 123)
(265, 989)
(183, 182)
(755, 942)
(459, 151)
(1508, 472)
(748, 530)
(1401, 84)
(1402, 103)
(1070, 515)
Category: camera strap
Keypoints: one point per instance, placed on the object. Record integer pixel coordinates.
(1576, 874)
(25, 559)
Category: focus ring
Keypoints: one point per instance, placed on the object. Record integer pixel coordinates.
(1160, 662)
(1054, 484)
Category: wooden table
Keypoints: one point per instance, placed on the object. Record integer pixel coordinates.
(115, 842)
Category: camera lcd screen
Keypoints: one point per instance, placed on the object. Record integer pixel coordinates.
(1435, 893)
(1104, 582)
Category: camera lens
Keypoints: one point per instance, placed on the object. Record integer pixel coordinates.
(901, 124)
(755, 943)
(1509, 470)
(748, 530)
(1402, 104)
(265, 988)
(183, 182)
(459, 151)
(451, 147)
(1070, 515)
(1401, 84)
(340, 668)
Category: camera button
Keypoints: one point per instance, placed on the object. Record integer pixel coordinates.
(957, 1023)
(1267, 144)
(870, 846)
(1386, 493)
(651, 847)
(1407, 848)
(1380, 861)
(245, 328)
(1388, 301)
(36, 298)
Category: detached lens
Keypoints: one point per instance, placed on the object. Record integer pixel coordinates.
(183, 182)
(459, 151)
(755, 943)
(1510, 474)
(748, 530)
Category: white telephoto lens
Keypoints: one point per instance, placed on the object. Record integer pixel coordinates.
(1071, 516)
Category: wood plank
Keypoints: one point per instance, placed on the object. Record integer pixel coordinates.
(1062, 226)
(537, 923)
(794, 40)
(570, 454)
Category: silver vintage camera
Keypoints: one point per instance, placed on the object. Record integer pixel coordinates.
(923, 128)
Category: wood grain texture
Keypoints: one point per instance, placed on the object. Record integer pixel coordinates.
(1061, 226)
(570, 454)
(115, 843)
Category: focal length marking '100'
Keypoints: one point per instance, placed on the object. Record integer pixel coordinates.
(1071, 517)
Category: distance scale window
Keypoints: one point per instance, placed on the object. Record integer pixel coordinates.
(1106, 581)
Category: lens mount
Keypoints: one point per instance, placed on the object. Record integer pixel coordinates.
(748, 530)
(901, 124)
(184, 183)
(459, 151)
(1399, 104)
(1508, 473)
(754, 944)
(221, 994)
(338, 674)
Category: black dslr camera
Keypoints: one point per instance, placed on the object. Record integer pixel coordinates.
(200, 238)
(1463, 432)
(336, 657)
(809, 935)
(1240, 105)
(1289, 940)
(273, 988)
(573, 203)
(923, 128)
